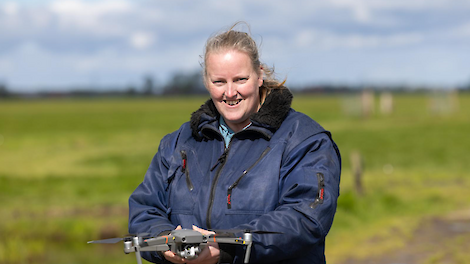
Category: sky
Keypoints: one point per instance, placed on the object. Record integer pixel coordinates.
(65, 44)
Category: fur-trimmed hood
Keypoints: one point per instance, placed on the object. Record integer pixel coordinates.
(270, 116)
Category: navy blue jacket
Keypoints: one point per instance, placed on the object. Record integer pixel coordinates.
(280, 174)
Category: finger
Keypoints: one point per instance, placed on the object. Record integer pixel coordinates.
(178, 227)
(213, 244)
(208, 255)
(170, 256)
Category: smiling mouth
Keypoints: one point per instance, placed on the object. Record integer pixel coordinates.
(232, 102)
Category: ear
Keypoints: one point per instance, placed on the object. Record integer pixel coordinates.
(260, 76)
(260, 81)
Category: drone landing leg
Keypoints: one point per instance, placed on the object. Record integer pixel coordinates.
(137, 250)
(138, 257)
(248, 239)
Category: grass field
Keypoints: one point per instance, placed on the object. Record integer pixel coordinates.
(68, 166)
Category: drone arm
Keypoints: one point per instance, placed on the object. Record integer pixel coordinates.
(160, 248)
(156, 244)
(246, 240)
(155, 241)
(227, 240)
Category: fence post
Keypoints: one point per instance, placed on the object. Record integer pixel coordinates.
(386, 103)
(367, 102)
(357, 166)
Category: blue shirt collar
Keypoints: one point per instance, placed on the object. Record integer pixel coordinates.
(226, 131)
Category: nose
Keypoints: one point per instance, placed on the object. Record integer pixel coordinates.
(230, 90)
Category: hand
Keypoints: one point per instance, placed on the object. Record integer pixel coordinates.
(210, 254)
(172, 257)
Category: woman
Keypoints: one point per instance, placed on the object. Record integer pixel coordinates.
(246, 160)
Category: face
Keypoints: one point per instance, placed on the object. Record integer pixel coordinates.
(234, 87)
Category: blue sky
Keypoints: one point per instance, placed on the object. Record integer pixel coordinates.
(63, 44)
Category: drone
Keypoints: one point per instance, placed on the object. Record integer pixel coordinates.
(186, 243)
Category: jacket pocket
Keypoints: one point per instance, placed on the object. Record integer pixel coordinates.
(179, 200)
(321, 191)
(185, 169)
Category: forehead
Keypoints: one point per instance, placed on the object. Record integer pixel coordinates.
(228, 61)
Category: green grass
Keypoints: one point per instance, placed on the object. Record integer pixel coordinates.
(67, 167)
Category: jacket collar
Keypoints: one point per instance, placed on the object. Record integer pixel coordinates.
(204, 121)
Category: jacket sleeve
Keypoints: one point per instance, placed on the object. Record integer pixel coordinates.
(148, 207)
(308, 191)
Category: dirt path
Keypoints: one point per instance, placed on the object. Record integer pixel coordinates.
(438, 240)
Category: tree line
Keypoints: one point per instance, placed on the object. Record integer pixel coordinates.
(190, 83)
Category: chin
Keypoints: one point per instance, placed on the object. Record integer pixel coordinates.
(233, 120)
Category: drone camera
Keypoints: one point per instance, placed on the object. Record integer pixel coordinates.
(190, 251)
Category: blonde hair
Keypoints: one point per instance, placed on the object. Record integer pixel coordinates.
(242, 42)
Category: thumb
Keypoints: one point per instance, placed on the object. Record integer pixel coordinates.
(202, 231)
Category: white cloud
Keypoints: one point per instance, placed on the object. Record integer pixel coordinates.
(76, 8)
(461, 31)
(398, 4)
(5, 67)
(327, 40)
(82, 15)
(141, 40)
(10, 8)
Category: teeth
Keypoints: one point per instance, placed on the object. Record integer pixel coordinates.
(232, 102)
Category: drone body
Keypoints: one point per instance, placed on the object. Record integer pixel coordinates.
(185, 243)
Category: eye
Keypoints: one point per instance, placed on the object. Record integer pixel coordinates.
(218, 82)
(242, 80)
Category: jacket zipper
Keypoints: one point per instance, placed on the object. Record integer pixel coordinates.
(221, 160)
(185, 170)
(229, 191)
(321, 191)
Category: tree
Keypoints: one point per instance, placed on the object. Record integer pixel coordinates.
(4, 91)
(185, 83)
(149, 86)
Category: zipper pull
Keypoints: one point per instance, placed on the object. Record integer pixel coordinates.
(185, 170)
(185, 159)
(321, 191)
(229, 190)
(220, 160)
(229, 199)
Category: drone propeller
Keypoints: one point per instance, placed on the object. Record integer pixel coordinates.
(262, 232)
(107, 241)
(139, 235)
(128, 237)
(222, 231)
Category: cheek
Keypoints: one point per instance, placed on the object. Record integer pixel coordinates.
(215, 92)
(249, 90)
